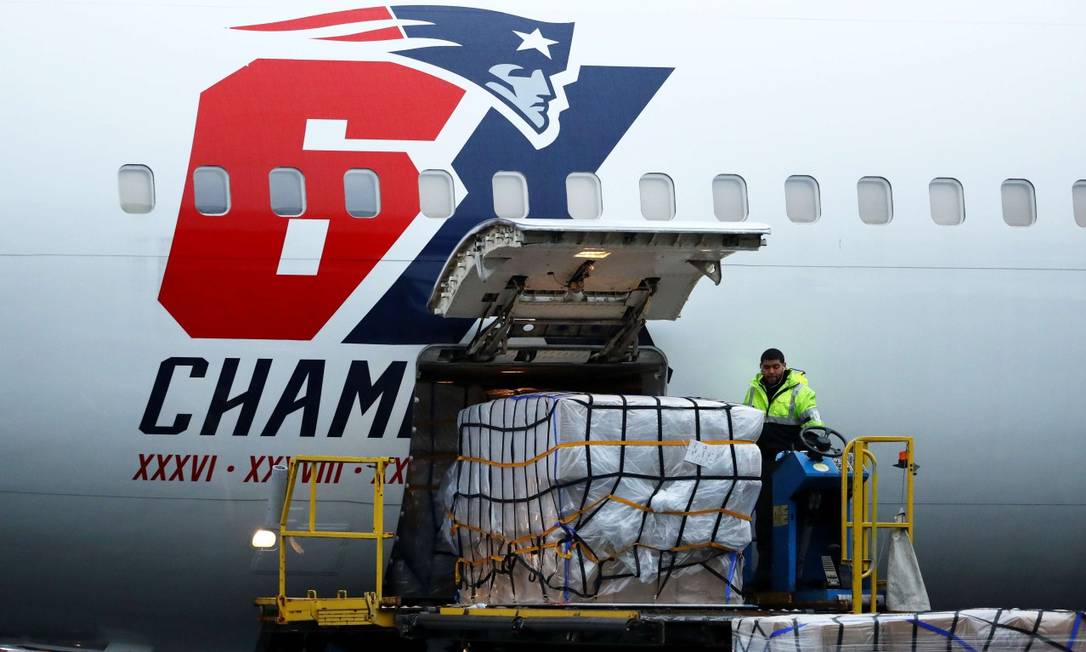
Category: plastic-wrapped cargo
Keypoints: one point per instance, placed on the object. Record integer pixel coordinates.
(971, 629)
(580, 498)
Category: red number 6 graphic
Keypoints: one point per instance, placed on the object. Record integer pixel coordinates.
(222, 279)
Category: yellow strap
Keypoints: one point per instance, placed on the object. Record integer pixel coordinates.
(573, 516)
(697, 512)
(572, 444)
(588, 553)
(689, 546)
(456, 525)
(528, 537)
(585, 551)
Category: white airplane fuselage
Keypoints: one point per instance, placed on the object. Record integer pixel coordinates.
(156, 365)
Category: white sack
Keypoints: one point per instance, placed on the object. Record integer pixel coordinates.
(905, 590)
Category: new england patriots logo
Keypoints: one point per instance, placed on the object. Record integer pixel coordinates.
(486, 90)
(521, 62)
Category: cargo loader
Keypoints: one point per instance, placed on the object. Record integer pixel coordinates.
(561, 307)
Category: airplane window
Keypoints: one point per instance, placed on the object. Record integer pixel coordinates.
(947, 201)
(875, 200)
(211, 190)
(136, 188)
(584, 196)
(1078, 198)
(1019, 202)
(657, 196)
(802, 199)
(510, 195)
(730, 198)
(437, 198)
(287, 189)
(362, 193)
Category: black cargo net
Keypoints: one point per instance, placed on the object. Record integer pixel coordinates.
(573, 497)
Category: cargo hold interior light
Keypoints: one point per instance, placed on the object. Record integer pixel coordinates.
(593, 254)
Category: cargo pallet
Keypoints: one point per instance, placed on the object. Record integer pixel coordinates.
(614, 626)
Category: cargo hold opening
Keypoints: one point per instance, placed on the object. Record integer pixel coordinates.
(421, 566)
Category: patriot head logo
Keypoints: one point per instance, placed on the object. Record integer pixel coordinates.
(521, 62)
(382, 94)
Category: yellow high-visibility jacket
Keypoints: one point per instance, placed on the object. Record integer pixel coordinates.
(793, 403)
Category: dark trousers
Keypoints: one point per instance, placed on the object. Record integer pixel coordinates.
(763, 522)
(774, 439)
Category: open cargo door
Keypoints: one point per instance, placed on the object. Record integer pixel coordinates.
(562, 303)
(593, 283)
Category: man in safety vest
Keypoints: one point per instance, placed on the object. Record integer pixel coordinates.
(789, 405)
(785, 397)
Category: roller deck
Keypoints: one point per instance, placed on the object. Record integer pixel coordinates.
(741, 629)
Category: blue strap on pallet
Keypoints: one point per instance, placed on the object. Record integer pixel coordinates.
(571, 535)
(939, 630)
(731, 575)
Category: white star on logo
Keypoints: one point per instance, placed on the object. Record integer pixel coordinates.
(535, 41)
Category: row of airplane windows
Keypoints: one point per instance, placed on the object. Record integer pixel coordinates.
(584, 196)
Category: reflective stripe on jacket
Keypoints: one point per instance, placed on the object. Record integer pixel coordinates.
(793, 404)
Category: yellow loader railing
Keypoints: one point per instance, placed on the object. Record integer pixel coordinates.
(859, 516)
(341, 610)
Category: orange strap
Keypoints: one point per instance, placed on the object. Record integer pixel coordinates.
(528, 549)
(588, 553)
(572, 444)
(697, 512)
(572, 516)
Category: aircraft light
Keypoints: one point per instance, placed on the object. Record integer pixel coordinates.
(264, 539)
(267, 536)
(593, 254)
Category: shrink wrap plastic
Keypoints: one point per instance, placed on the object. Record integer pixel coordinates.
(970, 629)
(578, 497)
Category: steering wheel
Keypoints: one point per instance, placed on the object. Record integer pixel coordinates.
(817, 440)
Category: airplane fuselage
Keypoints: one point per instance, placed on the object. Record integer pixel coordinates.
(158, 363)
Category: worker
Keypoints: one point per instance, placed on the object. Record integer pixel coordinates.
(789, 406)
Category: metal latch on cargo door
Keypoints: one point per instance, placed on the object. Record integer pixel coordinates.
(492, 339)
